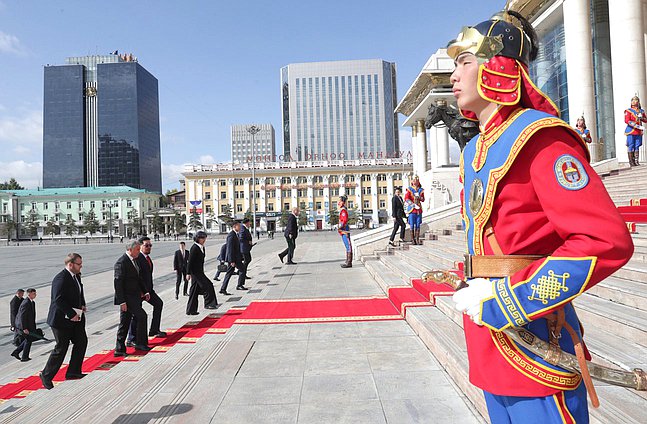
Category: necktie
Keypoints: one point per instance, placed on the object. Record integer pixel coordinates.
(150, 262)
(78, 283)
(136, 266)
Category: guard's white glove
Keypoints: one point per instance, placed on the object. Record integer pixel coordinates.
(468, 300)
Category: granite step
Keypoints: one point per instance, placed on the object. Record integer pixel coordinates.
(622, 291)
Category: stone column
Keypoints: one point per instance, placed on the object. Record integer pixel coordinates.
(627, 64)
(262, 207)
(231, 195)
(342, 184)
(246, 202)
(414, 145)
(327, 200)
(579, 66)
(295, 200)
(420, 152)
(389, 193)
(442, 141)
(277, 193)
(374, 203)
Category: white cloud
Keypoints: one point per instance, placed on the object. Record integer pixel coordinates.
(21, 133)
(171, 174)
(206, 160)
(10, 44)
(405, 139)
(28, 174)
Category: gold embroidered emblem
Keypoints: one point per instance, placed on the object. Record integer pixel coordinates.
(476, 196)
(549, 287)
(515, 314)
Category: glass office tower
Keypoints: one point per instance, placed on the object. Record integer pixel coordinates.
(118, 142)
(339, 110)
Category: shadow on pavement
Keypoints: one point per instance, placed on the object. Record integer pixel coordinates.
(165, 411)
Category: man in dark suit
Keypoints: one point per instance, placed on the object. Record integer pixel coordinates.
(129, 292)
(234, 259)
(291, 232)
(180, 261)
(200, 283)
(26, 325)
(14, 305)
(146, 273)
(246, 244)
(397, 212)
(66, 317)
(221, 258)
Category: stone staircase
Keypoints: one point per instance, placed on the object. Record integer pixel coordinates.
(627, 184)
(614, 314)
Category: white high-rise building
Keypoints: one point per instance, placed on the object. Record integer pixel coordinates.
(339, 110)
(241, 143)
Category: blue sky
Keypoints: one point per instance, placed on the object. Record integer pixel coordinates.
(217, 62)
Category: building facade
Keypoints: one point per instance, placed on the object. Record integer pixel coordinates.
(101, 119)
(260, 145)
(339, 110)
(118, 210)
(313, 186)
(591, 63)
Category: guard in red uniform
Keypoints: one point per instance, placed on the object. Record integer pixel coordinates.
(580, 127)
(413, 199)
(634, 118)
(529, 196)
(344, 231)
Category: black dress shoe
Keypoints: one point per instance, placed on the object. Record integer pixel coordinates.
(143, 348)
(158, 334)
(241, 288)
(74, 376)
(25, 359)
(224, 292)
(211, 307)
(130, 344)
(248, 278)
(292, 263)
(46, 383)
(217, 279)
(176, 298)
(16, 355)
(281, 258)
(120, 353)
(185, 294)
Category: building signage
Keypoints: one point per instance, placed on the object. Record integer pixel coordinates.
(195, 202)
(330, 156)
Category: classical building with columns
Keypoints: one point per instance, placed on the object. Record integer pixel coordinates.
(591, 62)
(312, 186)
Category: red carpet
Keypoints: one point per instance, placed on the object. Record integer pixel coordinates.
(319, 310)
(431, 290)
(406, 297)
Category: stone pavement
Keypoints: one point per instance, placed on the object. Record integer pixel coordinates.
(355, 372)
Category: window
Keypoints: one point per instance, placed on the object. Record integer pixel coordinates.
(104, 216)
(207, 195)
(382, 204)
(69, 205)
(286, 180)
(350, 178)
(129, 203)
(269, 181)
(208, 209)
(33, 205)
(350, 204)
(223, 183)
(45, 206)
(367, 204)
(334, 179)
(317, 179)
(206, 183)
(22, 206)
(57, 205)
(334, 192)
(318, 206)
(239, 208)
(319, 192)
(286, 206)
(69, 216)
(381, 177)
(350, 191)
(92, 204)
(301, 192)
(285, 193)
(381, 190)
(366, 190)
(45, 218)
(366, 177)
(223, 208)
(270, 207)
(302, 180)
(271, 194)
(397, 176)
(223, 195)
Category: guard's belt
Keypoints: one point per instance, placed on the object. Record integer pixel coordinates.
(491, 266)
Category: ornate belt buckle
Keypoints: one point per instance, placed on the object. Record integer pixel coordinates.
(468, 266)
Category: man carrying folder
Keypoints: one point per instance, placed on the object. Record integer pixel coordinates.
(67, 319)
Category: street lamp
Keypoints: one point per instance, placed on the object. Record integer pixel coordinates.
(110, 206)
(253, 130)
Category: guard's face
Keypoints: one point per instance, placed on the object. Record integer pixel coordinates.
(635, 102)
(464, 84)
(340, 204)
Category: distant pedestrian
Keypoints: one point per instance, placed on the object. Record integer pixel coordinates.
(246, 244)
(14, 305)
(200, 283)
(585, 133)
(634, 118)
(66, 317)
(344, 231)
(180, 262)
(397, 212)
(26, 326)
(291, 232)
(413, 201)
(258, 234)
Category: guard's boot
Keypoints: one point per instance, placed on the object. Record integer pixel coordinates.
(418, 236)
(630, 155)
(419, 242)
(636, 156)
(349, 260)
(413, 237)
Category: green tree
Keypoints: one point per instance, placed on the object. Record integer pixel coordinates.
(303, 217)
(194, 221)
(179, 223)
(283, 221)
(52, 228)
(134, 221)
(8, 228)
(353, 216)
(158, 223)
(12, 184)
(333, 218)
(248, 215)
(70, 226)
(90, 222)
(32, 223)
(227, 214)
